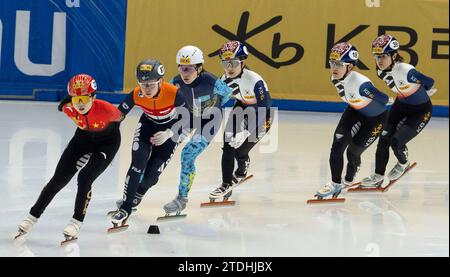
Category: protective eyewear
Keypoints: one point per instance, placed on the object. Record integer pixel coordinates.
(231, 63)
(84, 99)
(149, 85)
(380, 56)
(337, 64)
(187, 68)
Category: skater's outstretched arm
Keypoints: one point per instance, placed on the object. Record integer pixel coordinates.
(127, 104)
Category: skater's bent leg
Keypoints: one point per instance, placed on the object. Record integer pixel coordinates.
(65, 170)
(139, 160)
(354, 160)
(159, 159)
(97, 164)
(189, 154)
(337, 158)
(242, 157)
(228, 154)
(382, 154)
(411, 128)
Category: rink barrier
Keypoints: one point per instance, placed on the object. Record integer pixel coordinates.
(281, 104)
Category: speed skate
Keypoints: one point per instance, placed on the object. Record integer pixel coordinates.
(381, 188)
(321, 200)
(117, 228)
(331, 189)
(225, 202)
(68, 239)
(169, 217)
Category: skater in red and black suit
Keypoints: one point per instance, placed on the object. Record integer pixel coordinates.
(90, 151)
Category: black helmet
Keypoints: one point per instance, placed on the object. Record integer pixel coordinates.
(149, 70)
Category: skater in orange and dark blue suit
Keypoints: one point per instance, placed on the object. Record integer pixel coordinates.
(154, 142)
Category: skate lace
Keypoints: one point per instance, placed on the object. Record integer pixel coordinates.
(120, 214)
(221, 189)
(327, 188)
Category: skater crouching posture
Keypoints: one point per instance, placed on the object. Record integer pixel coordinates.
(154, 141)
(360, 124)
(91, 150)
(409, 114)
(242, 133)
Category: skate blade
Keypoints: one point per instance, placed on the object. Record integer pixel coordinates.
(386, 188)
(351, 186)
(65, 242)
(19, 235)
(245, 179)
(117, 229)
(362, 189)
(325, 201)
(171, 217)
(217, 204)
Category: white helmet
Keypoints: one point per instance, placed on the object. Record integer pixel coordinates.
(190, 55)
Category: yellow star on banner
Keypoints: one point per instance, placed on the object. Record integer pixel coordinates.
(95, 125)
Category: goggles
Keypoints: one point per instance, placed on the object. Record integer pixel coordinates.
(381, 56)
(231, 63)
(338, 64)
(187, 68)
(149, 85)
(84, 99)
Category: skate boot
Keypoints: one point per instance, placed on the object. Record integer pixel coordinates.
(26, 225)
(136, 201)
(331, 189)
(373, 181)
(119, 221)
(397, 171)
(225, 191)
(71, 231)
(221, 191)
(175, 206)
(348, 184)
(237, 178)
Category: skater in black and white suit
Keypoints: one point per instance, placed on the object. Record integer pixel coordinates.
(360, 124)
(250, 118)
(409, 114)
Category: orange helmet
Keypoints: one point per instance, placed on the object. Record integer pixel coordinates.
(81, 84)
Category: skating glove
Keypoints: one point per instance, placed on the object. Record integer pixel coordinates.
(431, 91)
(66, 100)
(160, 137)
(390, 101)
(239, 139)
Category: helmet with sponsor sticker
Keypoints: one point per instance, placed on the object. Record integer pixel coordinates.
(232, 50)
(81, 84)
(344, 52)
(149, 70)
(385, 44)
(189, 54)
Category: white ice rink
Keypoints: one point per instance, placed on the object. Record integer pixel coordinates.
(271, 217)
